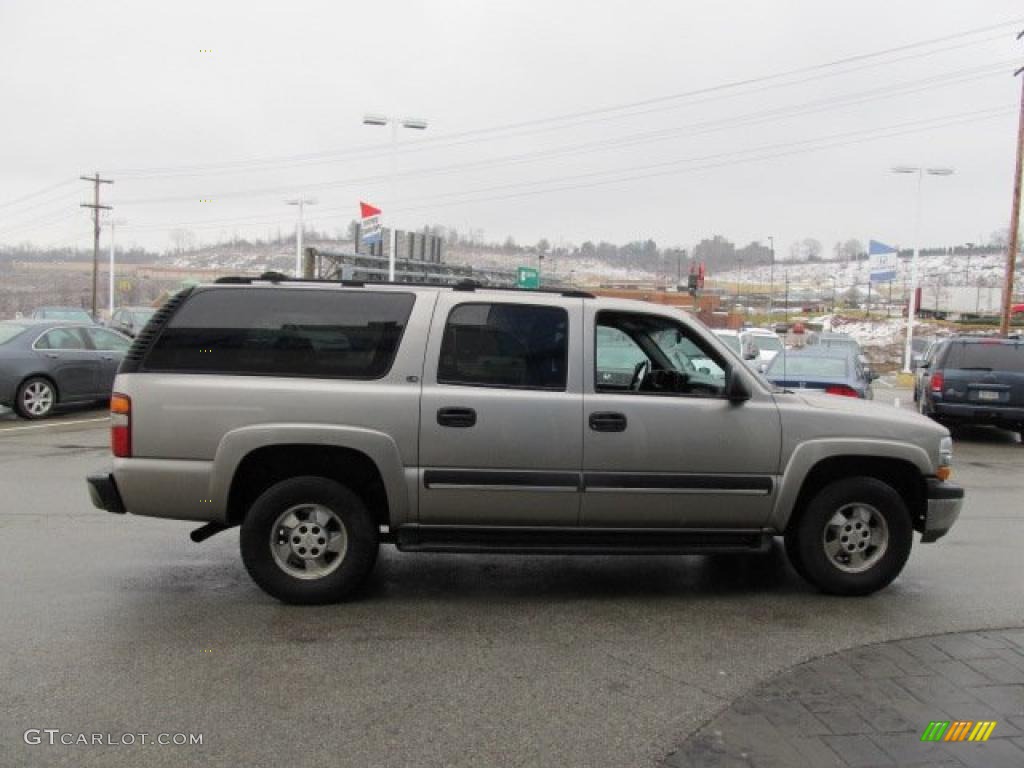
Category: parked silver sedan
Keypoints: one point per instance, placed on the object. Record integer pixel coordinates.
(45, 364)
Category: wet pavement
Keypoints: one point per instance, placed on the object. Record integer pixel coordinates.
(121, 625)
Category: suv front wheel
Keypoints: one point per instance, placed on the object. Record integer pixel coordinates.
(309, 540)
(854, 537)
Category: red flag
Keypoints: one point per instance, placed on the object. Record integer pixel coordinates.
(366, 210)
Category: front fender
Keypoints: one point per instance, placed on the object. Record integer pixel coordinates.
(378, 446)
(809, 453)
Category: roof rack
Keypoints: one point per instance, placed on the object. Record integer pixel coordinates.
(462, 285)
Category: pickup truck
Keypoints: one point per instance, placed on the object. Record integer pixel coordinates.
(328, 418)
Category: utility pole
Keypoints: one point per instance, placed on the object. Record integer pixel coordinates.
(771, 278)
(1011, 251)
(96, 207)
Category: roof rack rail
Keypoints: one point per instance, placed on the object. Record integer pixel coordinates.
(462, 285)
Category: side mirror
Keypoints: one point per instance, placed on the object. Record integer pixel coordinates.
(916, 361)
(750, 353)
(736, 389)
(872, 375)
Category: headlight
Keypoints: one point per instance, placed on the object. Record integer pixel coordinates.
(945, 458)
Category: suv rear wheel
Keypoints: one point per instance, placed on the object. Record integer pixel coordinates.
(309, 540)
(854, 537)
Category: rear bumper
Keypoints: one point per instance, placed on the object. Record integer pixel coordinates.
(944, 503)
(977, 413)
(104, 494)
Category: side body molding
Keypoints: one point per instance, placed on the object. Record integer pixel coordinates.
(809, 453)
(381, 449)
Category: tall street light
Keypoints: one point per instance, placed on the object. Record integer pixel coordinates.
(112, 222)
(413, 123)
(912, 301)
(301, 202)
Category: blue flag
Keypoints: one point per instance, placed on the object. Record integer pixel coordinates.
(875, 247)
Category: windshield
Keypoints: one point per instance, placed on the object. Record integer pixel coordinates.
(76, 315)
(990, 356)
(788, 366)
(767, 343)
(9, 331)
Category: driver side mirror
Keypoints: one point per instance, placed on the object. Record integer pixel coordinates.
(750, 353)
(736, 389)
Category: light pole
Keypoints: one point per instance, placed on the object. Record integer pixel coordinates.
(912, 301)
(771, 277)
(112, 223)
(415, 124)
(301, 202)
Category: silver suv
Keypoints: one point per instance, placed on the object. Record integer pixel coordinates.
(328, 418)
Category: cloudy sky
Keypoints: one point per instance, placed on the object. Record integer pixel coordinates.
(567, 119)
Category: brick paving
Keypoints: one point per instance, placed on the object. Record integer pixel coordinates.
(868, 707)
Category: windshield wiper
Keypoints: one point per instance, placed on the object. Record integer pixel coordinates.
(975, 368)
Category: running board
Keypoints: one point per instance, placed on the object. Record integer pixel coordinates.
(579, 541)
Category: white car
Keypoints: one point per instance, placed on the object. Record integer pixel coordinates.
(767, 343)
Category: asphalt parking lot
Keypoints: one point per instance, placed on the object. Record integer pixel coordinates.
(120, 625)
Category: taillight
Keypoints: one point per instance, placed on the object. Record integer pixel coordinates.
(841, 389)
(121, 426)
(935, 383)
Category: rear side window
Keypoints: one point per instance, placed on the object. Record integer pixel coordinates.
(986, 356)
(60, 338)
(284, 332)
(505, 345)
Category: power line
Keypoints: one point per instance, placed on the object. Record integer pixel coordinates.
(16, 201)
(905, 88)
(660, 169)
(432, 142)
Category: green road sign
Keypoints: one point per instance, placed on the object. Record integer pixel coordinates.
(527, 277)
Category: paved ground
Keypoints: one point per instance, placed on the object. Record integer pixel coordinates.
(870, 707)
(122, 625)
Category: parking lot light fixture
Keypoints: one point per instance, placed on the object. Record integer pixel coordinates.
(920, 171)
(413, 123)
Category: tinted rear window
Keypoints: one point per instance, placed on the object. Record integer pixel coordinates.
(505, 345)
(785, 366)
(286, 332)
(993, 356)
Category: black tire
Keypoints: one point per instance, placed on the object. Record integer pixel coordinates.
(356, 561)
(793, 555)
(23, 402)
(808, 537)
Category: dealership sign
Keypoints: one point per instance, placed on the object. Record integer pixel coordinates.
(882, 262)
(369, 230)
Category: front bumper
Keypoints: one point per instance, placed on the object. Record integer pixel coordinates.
(104, 494)
(944, 503)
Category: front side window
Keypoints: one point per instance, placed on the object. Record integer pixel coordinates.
(505, 345)
(314, 333)
(649, 354)
(60, 338)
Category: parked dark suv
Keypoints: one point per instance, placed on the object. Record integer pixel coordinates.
(976, 380)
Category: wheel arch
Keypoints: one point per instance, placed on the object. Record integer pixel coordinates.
(250, 460)
(904, 471)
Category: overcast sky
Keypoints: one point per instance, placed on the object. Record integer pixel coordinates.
(654, 147)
